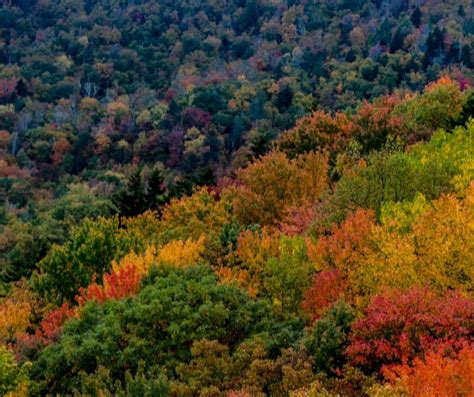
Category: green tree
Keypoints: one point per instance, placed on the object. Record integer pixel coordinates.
(328, 339)
(89, 252)
(155, 330)
(137, 197)
(130, 200)
(288, 276)
(155, 196)
(12, 377)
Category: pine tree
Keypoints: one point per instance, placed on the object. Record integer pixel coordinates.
(130, 200)
(416, 17)
(466, 56)
(397, 40)
(385, 32)
(434, 44)
(156, 196)
(467, 111)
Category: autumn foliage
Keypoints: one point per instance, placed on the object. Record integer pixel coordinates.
(319, 131)
(181, 253)
(437, 375)
(47, 332)
(328, 287)
(125, 277)
(336, 262)
(15, 312)
(51, 325)
(402, 326)
(266, 188)
(116, 285)
(341, 249)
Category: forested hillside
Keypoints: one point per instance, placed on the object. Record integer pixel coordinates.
(237, 198)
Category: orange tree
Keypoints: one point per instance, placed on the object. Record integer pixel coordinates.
(267, 187)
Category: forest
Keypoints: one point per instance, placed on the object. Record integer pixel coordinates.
(237, 198)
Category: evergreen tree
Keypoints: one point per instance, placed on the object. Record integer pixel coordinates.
(434, 44)
(466, 56)
(467, 109)
(385, 32)
(416, 17)
(136, 197)
(130, 200)
(351, 56)
(397, 40)
(284, 98)
(155, 196)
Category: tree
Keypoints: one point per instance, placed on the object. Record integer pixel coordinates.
(268, 186)
(155, 196)
(416, 17)
(15, 313)
(376, 121)
(341, 249)
(130, 200)
(439, 106)
(60, 149)
(202, 213)
(327, 288)
(431, 169)
(27, 239)
(436, 374)
(467, 109)
(180, 306)
(135, 198)
(248, 371)
(7, 88)
(89, 252)
(254, 249)
(329, 337)
(13, 379)
(434, 44)
(28, 346)
(117, 284)
(320, 131)
(285, 277)
(401, 326)
(417, 243)
(181, 253)
(466, 57)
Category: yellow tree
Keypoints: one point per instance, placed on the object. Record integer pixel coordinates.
(15, 312)
(181, 253)
(201, 214)
(435, 248)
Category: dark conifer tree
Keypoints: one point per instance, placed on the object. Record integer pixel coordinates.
(284, 98)
(384, 33)
(467, 110)
(350, 56)
(416, 17)
(466, 56)
(434, 44)
(397, 41)
(130, 200)
(155, 195)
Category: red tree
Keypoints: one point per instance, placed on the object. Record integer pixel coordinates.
(7, 87)
(400, 326)
(117, 284)
(328, 287)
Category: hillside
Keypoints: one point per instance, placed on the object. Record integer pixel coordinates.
(236, 198)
